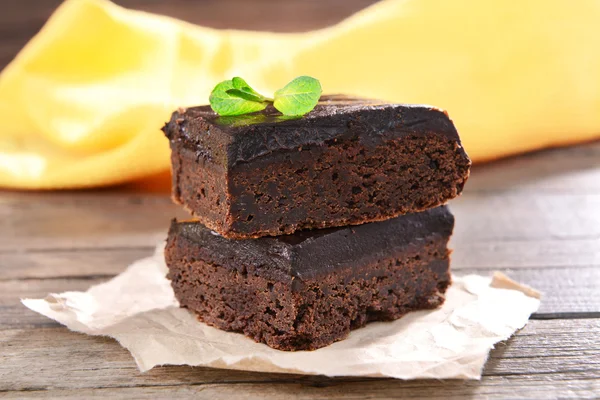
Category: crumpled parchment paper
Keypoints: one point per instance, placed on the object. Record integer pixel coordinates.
(139, 310)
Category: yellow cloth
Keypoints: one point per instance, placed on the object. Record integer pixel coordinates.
(82, 104)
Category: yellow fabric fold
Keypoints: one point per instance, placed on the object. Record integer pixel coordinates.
(83, 102)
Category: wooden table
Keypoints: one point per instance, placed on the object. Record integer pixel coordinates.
(535, 217)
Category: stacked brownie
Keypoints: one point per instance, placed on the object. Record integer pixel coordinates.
(306, 228)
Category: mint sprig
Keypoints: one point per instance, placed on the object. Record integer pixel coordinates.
(236, 97)
(298, 97)
(225, 103)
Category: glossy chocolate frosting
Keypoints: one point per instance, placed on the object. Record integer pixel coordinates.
(309, 254)
(232, 140)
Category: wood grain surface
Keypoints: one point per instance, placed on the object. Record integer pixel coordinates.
(534, 217)
(522, 216)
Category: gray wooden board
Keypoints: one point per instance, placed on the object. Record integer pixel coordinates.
(540, 229)
(560, 356)
(551, 386)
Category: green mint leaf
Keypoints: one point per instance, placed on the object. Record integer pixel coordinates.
(240, 84)
(224, 103)
(299, 96)
(245, 95)
(236, 97)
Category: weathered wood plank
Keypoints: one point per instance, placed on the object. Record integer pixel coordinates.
(564, 386)
(109, 219)
(566, 170)
(524, 253)
(81, 263)
(14, 315)
(564, 291)
(571, 386)
(499, 217)
(99, 219)
(553, 353)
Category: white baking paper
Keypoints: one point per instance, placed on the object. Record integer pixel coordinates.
(139, 310)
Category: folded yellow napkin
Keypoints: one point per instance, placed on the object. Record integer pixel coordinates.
(83, 102)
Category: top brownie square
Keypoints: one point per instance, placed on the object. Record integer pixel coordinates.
(347, 162)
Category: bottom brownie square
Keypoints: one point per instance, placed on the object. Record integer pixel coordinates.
(309, 289)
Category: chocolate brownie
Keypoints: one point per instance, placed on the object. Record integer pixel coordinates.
(308, 290)
(347, 162)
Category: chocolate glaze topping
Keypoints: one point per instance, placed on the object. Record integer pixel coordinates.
(232, 140)
(309, 254)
